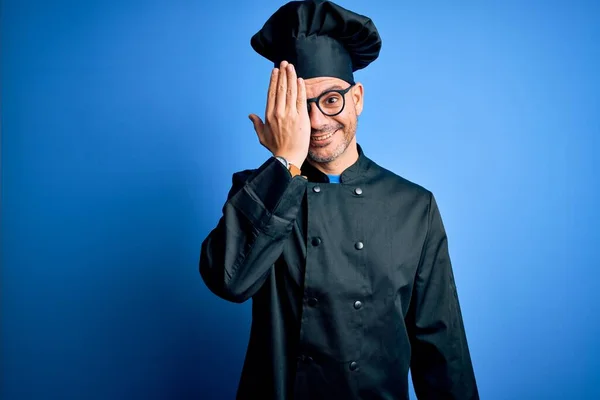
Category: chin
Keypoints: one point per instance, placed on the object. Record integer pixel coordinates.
(327, 153)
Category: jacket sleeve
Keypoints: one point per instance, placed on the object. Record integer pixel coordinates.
(257, 217)
(441, 366)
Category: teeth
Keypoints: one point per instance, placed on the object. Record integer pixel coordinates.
(324, 137)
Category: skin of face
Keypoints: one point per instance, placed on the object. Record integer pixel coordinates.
(338, 152)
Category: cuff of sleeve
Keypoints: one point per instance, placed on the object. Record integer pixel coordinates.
(271, 199)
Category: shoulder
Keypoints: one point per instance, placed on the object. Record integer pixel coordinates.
(396, 183)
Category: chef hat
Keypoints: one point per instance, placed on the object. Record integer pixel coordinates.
(319, 38)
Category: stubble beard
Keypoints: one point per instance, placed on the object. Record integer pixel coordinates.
(349, 134)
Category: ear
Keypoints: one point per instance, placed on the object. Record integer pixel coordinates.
(358, 92)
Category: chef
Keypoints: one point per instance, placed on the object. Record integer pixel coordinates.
(345, 262)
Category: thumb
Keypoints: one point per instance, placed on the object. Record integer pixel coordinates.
(257, 122)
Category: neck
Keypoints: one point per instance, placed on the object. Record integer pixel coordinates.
(339, 165)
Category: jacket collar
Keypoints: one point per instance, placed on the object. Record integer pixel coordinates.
(350, 174)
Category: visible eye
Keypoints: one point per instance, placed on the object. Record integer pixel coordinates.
(331, 100)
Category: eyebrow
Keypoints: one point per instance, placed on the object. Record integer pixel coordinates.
(333, 87)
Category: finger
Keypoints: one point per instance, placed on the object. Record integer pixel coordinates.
(258, 124)
(272, 94)
(301, 100)
(281, 89)
(292, 87)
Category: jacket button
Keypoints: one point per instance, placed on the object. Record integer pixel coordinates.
(304, 358)
(317, 189)
(313, 302)
(353, 366)
(316, 241)
(357, 304)
(359, 245)
(358, 191)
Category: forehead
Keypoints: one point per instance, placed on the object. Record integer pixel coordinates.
(316, 86)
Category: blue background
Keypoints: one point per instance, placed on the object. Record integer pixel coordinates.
(123, 121)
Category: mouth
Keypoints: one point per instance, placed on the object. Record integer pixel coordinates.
(319, 139)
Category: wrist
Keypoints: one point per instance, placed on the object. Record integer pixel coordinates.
(293, 168)
(290, 159)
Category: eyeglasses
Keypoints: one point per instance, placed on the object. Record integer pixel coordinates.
(331, 102)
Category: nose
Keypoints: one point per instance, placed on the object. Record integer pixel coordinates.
(317, 118)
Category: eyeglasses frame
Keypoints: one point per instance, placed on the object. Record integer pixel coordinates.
(315, 100)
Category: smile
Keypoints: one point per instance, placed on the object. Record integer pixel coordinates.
(323, 137)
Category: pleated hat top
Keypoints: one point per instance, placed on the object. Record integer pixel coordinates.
(320, 38)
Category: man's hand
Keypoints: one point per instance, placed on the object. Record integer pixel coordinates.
(286, 130)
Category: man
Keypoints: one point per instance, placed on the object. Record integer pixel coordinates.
(346, 263)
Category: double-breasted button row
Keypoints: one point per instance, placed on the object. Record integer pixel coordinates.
(313, 302)
(357, 191)
(316, 241)
(304, 358)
